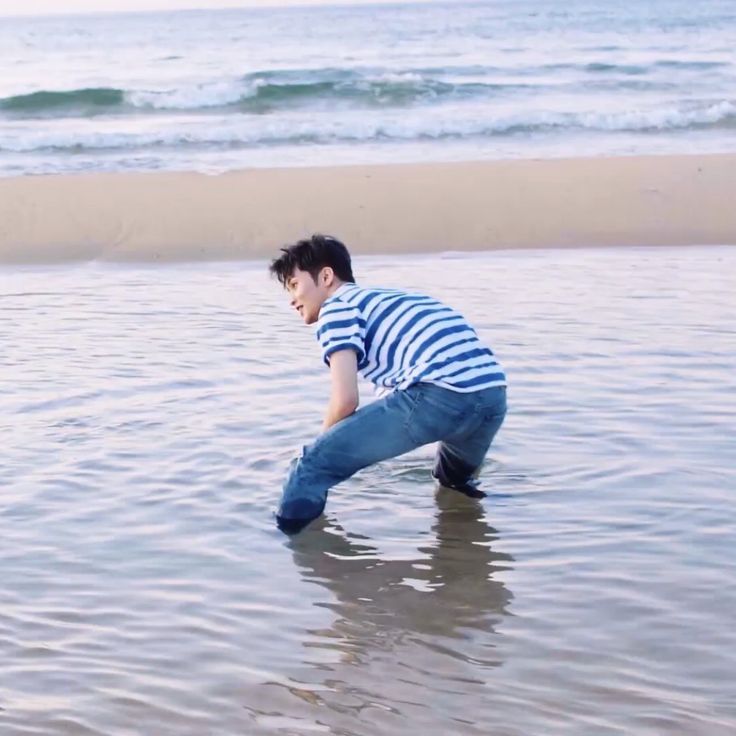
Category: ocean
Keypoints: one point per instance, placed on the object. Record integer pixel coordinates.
(147, 417)
(217, 90)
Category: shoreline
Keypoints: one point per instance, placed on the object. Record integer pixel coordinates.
(386, 208)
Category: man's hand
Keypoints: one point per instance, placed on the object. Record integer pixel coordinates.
(344, 391)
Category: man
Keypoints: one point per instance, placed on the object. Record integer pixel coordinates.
(439, 382)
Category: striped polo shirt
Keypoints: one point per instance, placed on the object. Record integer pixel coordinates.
(402, 339)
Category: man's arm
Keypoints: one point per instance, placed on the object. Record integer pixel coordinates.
(344, 389)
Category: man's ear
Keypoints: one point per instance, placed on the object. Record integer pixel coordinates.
(327, 276)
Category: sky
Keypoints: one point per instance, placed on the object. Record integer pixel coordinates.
(47, 7)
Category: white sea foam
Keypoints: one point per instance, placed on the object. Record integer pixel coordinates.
(198, 96)
(323, 126)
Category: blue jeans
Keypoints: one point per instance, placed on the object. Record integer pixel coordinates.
(463, 423)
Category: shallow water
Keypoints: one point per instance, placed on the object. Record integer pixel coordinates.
(148, 414)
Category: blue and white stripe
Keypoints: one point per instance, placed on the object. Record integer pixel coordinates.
(402, 339)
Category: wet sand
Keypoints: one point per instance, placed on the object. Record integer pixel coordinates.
(404, 208)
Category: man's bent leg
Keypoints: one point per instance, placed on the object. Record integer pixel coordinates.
(373, 433)
(460, 455)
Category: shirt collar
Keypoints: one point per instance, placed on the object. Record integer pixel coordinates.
(344, 288)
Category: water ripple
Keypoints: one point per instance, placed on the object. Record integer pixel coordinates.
(145, 434)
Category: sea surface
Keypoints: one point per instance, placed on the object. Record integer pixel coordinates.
(218, 90)
(147, 416)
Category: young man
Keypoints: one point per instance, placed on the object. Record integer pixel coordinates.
(439, 382)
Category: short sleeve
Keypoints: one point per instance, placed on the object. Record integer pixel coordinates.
(340, 327)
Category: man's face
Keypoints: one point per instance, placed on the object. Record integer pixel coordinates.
(307, 296)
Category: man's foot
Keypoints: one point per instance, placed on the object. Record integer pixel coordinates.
(469, 488)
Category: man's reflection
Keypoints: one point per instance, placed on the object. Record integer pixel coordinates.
(449, 590)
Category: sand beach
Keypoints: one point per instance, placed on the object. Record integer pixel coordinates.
(402, 208)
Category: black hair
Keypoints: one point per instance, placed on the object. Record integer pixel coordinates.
(312, 255)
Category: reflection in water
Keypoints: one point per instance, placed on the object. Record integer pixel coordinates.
(407, 632)
(448, 587)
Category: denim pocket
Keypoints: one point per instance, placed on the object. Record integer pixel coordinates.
(435, 413)
(450, 405)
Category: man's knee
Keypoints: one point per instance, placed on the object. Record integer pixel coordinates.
(310, 476)
(303, 497)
